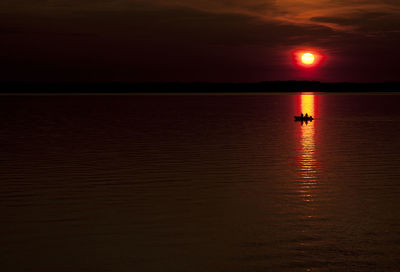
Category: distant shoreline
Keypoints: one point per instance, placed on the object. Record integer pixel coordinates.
(195, 87)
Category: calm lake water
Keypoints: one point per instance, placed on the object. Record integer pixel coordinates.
(200, 183)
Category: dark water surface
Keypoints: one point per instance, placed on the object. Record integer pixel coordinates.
(200, 183)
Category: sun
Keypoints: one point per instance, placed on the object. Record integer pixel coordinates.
(307, 58)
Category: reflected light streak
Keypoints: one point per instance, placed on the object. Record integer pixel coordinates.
(307, 160)
(307, 188)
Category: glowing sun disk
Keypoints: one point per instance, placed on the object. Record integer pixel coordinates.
(307, 58)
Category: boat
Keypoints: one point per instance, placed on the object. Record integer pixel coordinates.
(303, 118)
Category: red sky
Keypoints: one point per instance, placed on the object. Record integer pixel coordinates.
(197, 40)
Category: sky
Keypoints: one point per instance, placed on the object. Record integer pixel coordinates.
(198, 40)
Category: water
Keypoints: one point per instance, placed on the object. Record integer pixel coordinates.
(200, 183)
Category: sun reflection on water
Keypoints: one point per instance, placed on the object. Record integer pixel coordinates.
(307, 186)
(307, 162)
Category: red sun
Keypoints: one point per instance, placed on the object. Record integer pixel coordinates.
(307, 58)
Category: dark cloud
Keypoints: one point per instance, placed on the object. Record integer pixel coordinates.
(354, 20)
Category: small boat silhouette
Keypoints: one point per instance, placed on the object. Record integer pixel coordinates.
(303, 118)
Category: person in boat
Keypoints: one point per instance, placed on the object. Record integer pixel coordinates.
(301, 115)
(306, 115)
